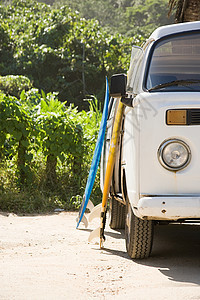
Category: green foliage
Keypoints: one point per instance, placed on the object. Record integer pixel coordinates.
(137, 18)
(59, 134)
(16, 130)
(46, 150)
(14, 85)
(6, 49)
(60, 51)
(27, 201)
(142, 19)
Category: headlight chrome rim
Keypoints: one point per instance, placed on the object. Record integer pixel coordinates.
(163, 147)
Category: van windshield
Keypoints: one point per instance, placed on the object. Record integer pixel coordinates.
(175, 64)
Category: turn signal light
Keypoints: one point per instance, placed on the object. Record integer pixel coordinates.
(177, 117)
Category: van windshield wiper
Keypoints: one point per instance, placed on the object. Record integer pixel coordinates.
(174, 82)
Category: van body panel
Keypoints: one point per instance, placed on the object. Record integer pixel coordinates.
(130, 153)
(154, 178)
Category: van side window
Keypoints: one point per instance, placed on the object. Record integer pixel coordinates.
(136, 63)
(132, 78)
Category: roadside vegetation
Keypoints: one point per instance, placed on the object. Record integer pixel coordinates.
(46, 149)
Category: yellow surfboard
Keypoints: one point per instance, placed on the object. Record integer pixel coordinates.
(109, 171)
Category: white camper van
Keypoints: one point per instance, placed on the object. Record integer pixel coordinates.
(156, 177)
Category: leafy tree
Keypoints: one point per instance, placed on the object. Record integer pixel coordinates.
(143, 19)
(60, 51)
(6, 49)
(128, 17)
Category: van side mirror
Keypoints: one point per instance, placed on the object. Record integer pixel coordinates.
(118, 85)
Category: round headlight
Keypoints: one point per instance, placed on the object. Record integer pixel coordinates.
(174, 154)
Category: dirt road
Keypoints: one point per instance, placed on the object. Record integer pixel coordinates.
(45, 257)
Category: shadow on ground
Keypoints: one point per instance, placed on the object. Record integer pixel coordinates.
(175, 252)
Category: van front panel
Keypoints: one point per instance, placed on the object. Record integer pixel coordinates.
(155, 179)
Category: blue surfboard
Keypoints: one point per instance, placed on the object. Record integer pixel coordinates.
(96, 158)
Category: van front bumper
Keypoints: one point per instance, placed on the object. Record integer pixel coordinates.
(168, 207)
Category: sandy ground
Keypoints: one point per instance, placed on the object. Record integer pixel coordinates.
(45, 257)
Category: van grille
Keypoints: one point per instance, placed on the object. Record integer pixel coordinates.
(193, 116)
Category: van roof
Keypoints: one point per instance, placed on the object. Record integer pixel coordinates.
(174, 28)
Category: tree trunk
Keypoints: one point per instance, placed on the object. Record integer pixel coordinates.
(21, 163)
(51, 176)
(192, 11)
(186, 10)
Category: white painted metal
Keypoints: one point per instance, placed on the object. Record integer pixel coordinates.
(168, 208)
(154, 179)
(171, 29)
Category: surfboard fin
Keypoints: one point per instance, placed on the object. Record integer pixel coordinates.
(95, 213)
(94, 234)
(84, 221)
(90, 205)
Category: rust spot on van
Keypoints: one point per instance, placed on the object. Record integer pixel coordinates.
(163, 211)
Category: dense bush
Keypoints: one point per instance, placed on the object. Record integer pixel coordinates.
(14, 85)
(46, 149)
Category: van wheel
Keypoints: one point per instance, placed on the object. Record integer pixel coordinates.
(138, 235)
(117, 214)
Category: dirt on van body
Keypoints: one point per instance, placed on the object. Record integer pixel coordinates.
(46, 257)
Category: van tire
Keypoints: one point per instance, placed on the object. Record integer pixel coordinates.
(117, 214)
(138, 235)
